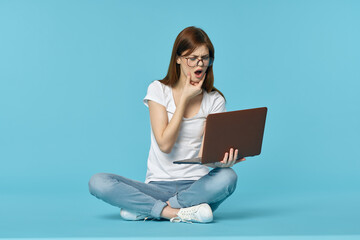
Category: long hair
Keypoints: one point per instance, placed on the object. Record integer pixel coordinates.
(189, 39)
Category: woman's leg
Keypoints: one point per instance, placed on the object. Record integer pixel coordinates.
(212, 188)
(146, 199)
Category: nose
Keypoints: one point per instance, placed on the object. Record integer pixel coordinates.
(200, 61)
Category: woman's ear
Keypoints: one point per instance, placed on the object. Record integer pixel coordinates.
(178, 60)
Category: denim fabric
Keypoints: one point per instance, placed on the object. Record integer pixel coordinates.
(150, 198)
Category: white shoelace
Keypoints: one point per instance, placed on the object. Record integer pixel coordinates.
(178, 219)
(185, 215)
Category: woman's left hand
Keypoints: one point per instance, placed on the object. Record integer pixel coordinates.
(229, 159)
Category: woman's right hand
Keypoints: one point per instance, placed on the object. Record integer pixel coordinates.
(192, 89)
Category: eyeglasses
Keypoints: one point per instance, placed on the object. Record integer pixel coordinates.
(194, 61)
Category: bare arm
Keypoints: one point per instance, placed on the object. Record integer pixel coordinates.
(166, 132)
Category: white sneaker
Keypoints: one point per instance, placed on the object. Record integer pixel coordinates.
(200, 213)
(131, 216)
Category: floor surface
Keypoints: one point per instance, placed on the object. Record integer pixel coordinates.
(254, 216)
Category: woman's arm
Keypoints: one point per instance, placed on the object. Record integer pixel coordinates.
(166, 132)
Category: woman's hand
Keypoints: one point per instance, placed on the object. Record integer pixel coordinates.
(228, 161)
(192, 89)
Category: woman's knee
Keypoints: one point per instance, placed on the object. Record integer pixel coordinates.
(228, 177)
(96, 183)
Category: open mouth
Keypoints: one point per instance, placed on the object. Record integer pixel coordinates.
(198, 73)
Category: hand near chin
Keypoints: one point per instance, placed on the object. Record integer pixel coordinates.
(194, 83)
(192, 89)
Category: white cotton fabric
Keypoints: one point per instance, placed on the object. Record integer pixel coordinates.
(160, 165)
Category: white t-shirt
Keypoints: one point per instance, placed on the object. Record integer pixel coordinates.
(160, 165)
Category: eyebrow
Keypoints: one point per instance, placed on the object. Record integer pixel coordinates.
(199, 56)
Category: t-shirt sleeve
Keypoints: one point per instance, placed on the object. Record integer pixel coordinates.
(218, 105)
(155, 93)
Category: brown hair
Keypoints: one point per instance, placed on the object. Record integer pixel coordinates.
(189, 39)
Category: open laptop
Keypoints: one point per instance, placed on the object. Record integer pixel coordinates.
(242, 130)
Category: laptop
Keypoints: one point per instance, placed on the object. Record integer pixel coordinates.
(242, 130)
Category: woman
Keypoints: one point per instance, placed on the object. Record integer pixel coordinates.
(178, 106)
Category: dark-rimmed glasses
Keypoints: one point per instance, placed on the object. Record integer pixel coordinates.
(194, 61)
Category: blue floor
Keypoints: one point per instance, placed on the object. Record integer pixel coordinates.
(333, 215)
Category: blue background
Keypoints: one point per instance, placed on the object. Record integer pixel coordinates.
(73, 75)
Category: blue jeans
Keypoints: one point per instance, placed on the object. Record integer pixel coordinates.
(150, 198)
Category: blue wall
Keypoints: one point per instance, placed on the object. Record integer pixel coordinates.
(73, 75)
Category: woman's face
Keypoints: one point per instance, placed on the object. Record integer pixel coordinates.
(193, 64)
